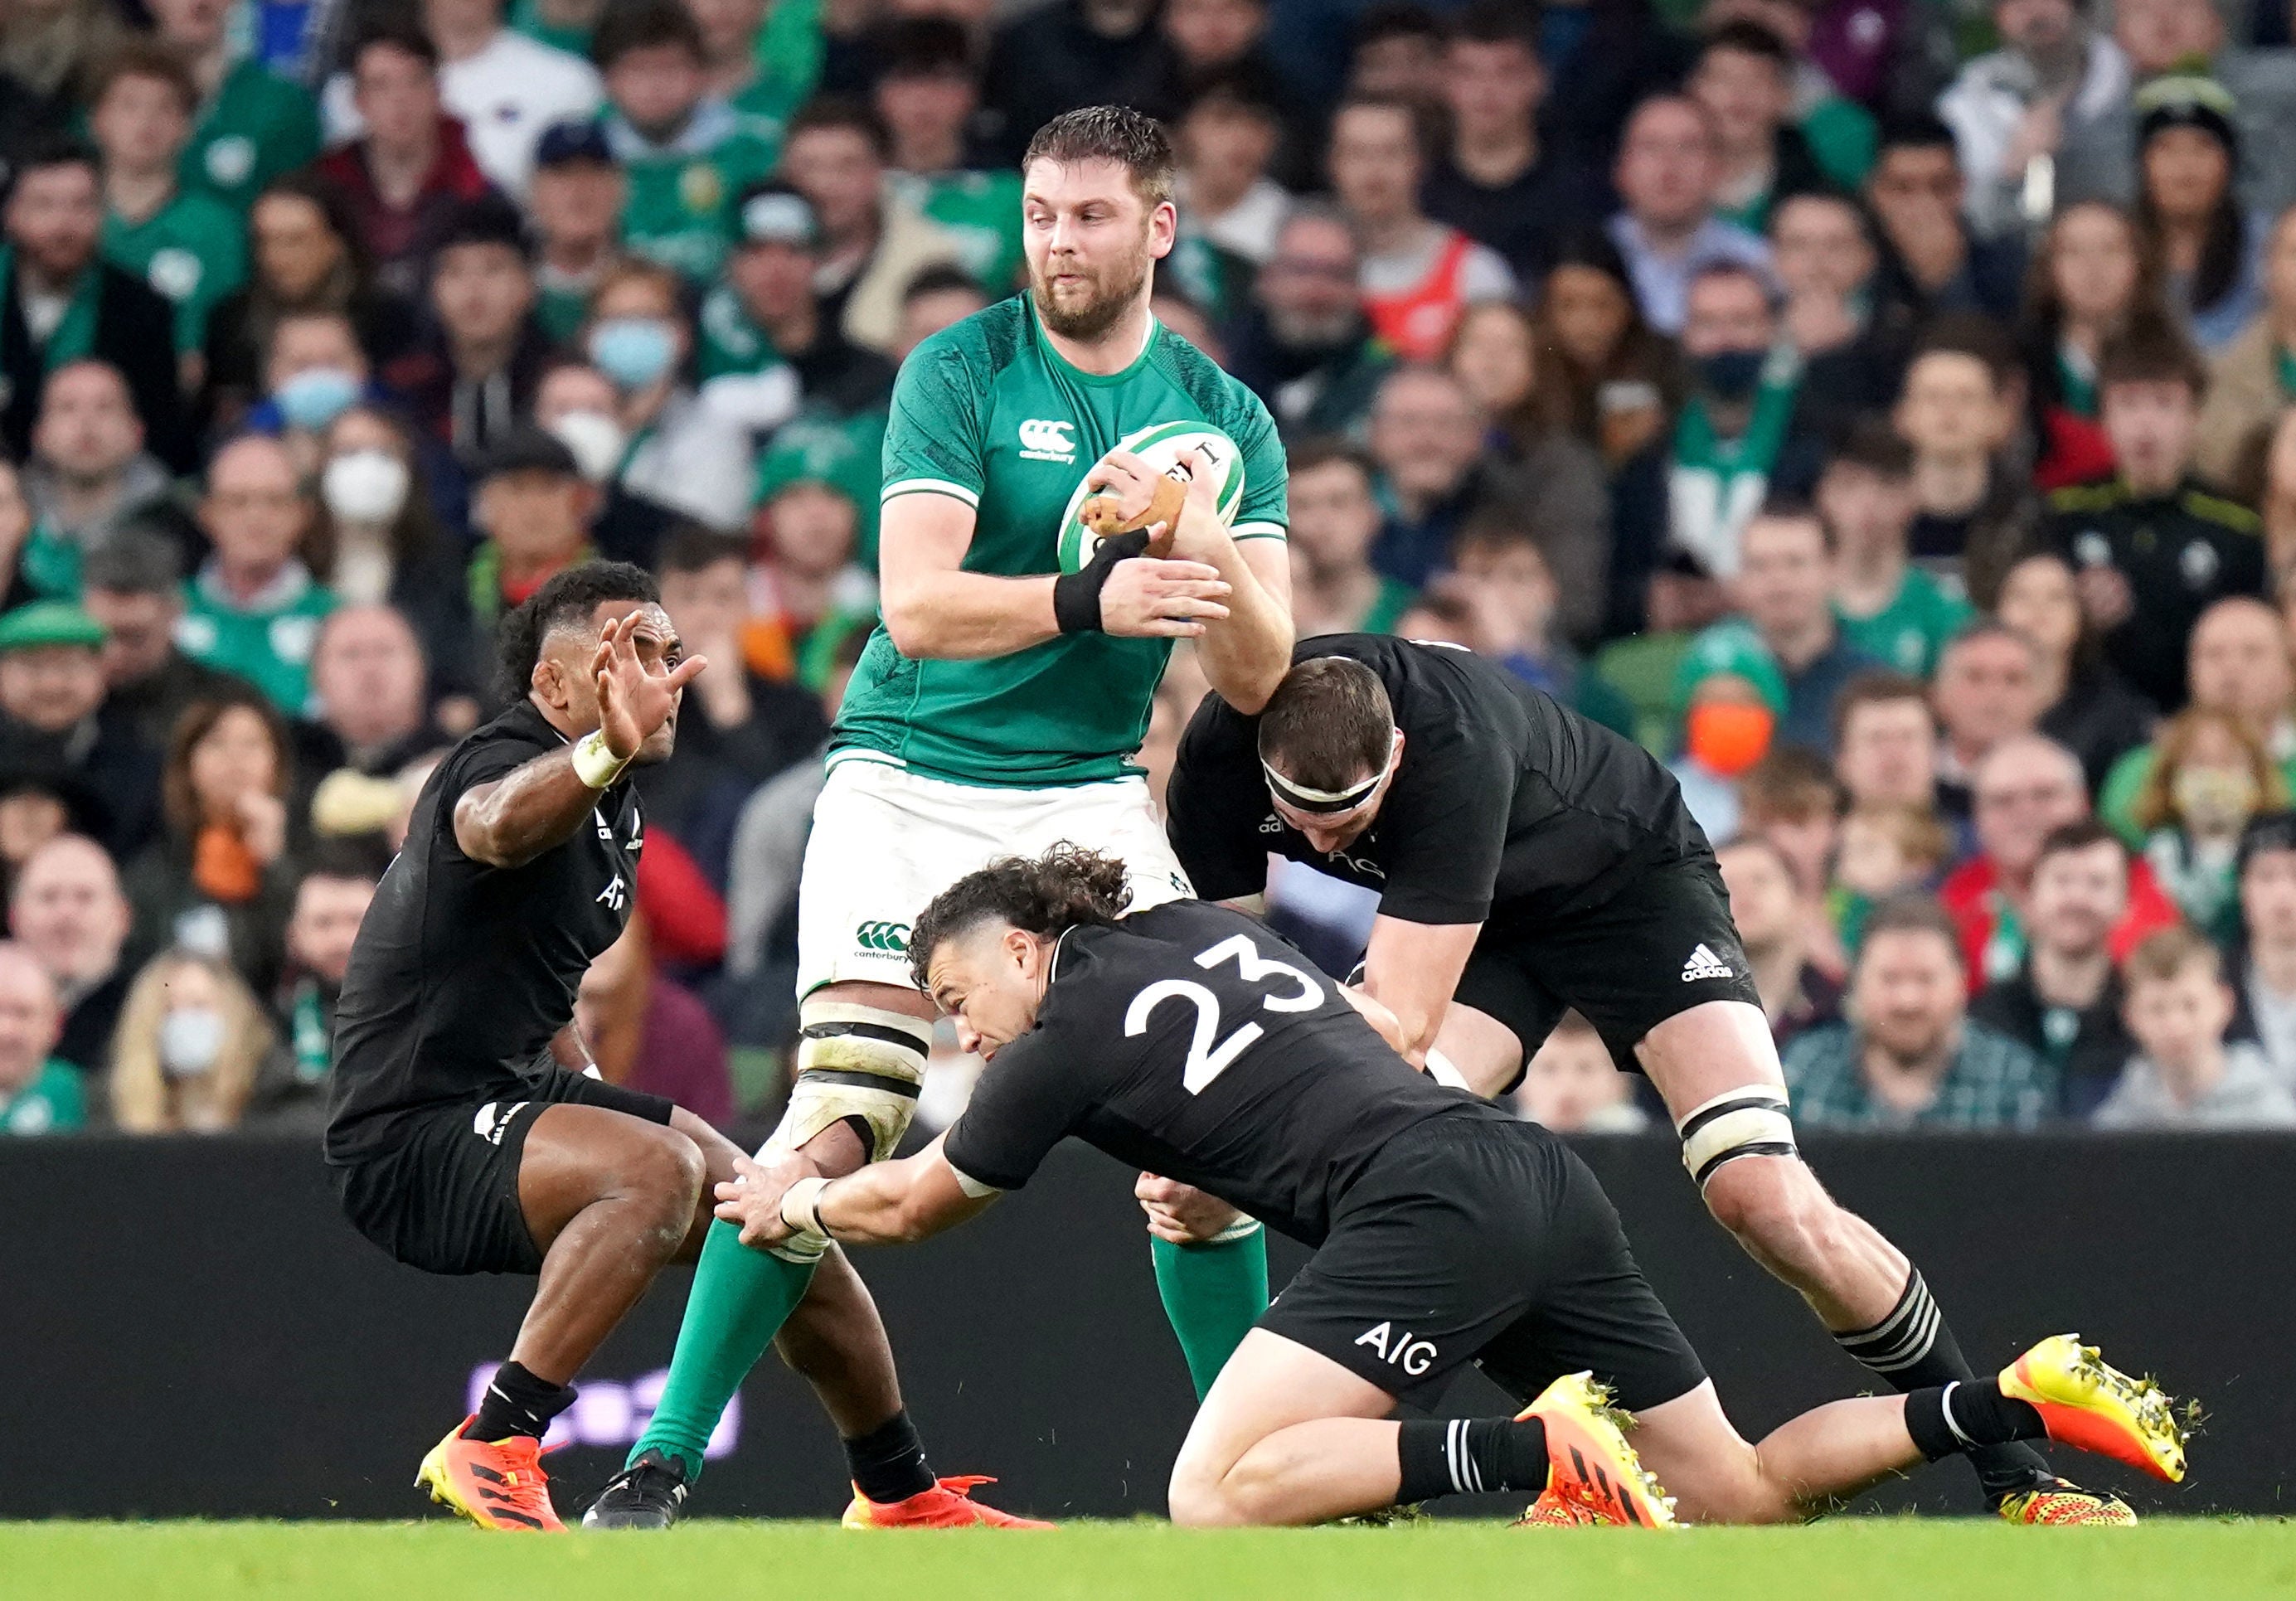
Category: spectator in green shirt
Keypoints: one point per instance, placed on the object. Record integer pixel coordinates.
(38, 1095)
(188, 245)
(249, 125)
(742, 72)
(1335, 516)
(928, 93)
(686, 152)
(254, 609)
(1890, 609)
(88, 474)
(576, 200)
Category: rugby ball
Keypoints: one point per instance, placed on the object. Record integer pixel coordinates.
(1162, 447)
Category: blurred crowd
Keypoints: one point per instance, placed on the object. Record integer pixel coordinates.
(1880, 408)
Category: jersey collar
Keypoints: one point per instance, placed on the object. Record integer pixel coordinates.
(1099, 380)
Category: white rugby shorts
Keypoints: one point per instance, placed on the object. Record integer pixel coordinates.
(886, 840)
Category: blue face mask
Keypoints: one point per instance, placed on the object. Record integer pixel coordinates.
(633, 351)
(316, 397)
(1732, 375)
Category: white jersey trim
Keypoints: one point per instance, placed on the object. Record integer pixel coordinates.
(929, 486)
(1258, 530)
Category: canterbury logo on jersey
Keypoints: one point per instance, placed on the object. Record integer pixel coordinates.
(1042, 439)
(893, 937)
(1413, 1356)
(1704, 963)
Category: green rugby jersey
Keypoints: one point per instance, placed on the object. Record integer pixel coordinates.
(731, 340)
(988, 413)
(192, 250)
(1910, 633)
(680, 194)
(258, 126)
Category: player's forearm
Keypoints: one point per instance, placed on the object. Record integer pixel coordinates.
(954, 616)
(884, 1204)
(1246, 653)
(536, 807)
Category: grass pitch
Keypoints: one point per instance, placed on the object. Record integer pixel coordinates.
(1853, 1559)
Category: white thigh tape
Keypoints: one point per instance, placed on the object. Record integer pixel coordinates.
(1742, 1122)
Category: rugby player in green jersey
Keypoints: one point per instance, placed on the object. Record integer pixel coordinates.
(997, 709)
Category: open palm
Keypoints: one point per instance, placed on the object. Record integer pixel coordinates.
(633, 699)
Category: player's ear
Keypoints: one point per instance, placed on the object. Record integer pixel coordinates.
(549, 680)
(1022, 948)
(1163, 228)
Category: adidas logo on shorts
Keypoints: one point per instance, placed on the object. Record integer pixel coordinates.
(1704, 963)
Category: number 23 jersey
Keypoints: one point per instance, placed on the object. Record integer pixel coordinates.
(1190, 1041)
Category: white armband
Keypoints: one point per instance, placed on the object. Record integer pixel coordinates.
(595, 765)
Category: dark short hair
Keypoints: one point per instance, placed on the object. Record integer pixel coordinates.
(1917, 130)
(1985, 627)
(1497, 22)
(2081, 836)
(1873, 444)
(1875, 686)
(1322, 450)
(629, 25)
(1067, 887)
(140, 55)
(570, 596)
(691, 547)
(1750, 38)
(399, 33)
(2151, 350)
(1414, 118)
(1911, 912)
(1975, 335)
(1133, 140)
(359, 857)
(133, 559)
(1791, 781)
(1328, 723)
(840, 113)
(57, 149)
(939, 278)
(488, 218)
(1496, 529)
(1385, 20)
(922, 47)
(2267, 831)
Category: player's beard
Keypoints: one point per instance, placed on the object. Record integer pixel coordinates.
(1114, 290)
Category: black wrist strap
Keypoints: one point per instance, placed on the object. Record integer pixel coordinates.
(1076, 595)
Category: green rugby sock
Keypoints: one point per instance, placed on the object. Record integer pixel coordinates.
(1213, 1293)
(741, 1299)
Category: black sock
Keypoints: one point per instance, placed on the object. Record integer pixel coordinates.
(1951, 1420)
(887, 1464)
(518, 1403)
(1461, 1455)
(1913, 1349)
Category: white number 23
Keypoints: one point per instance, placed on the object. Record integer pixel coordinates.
(1209, 1056)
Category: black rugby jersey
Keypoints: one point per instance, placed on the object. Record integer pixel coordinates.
(463, 972)
(1190, 1041)
(1507, 807)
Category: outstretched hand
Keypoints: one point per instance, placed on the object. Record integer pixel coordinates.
(633, 699)
(752, 1197)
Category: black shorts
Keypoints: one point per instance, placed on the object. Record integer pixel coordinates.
(1476, 1240)
(1663, 944)
(443, 1196)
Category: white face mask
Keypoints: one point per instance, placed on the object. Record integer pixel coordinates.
(596, 440)
(190, 1039)
(365, 485)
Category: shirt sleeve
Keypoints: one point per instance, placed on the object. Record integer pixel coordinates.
(1261, 514)
(932, 436)
(1214, 832)
(1450, 833)
(1029, 1100)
